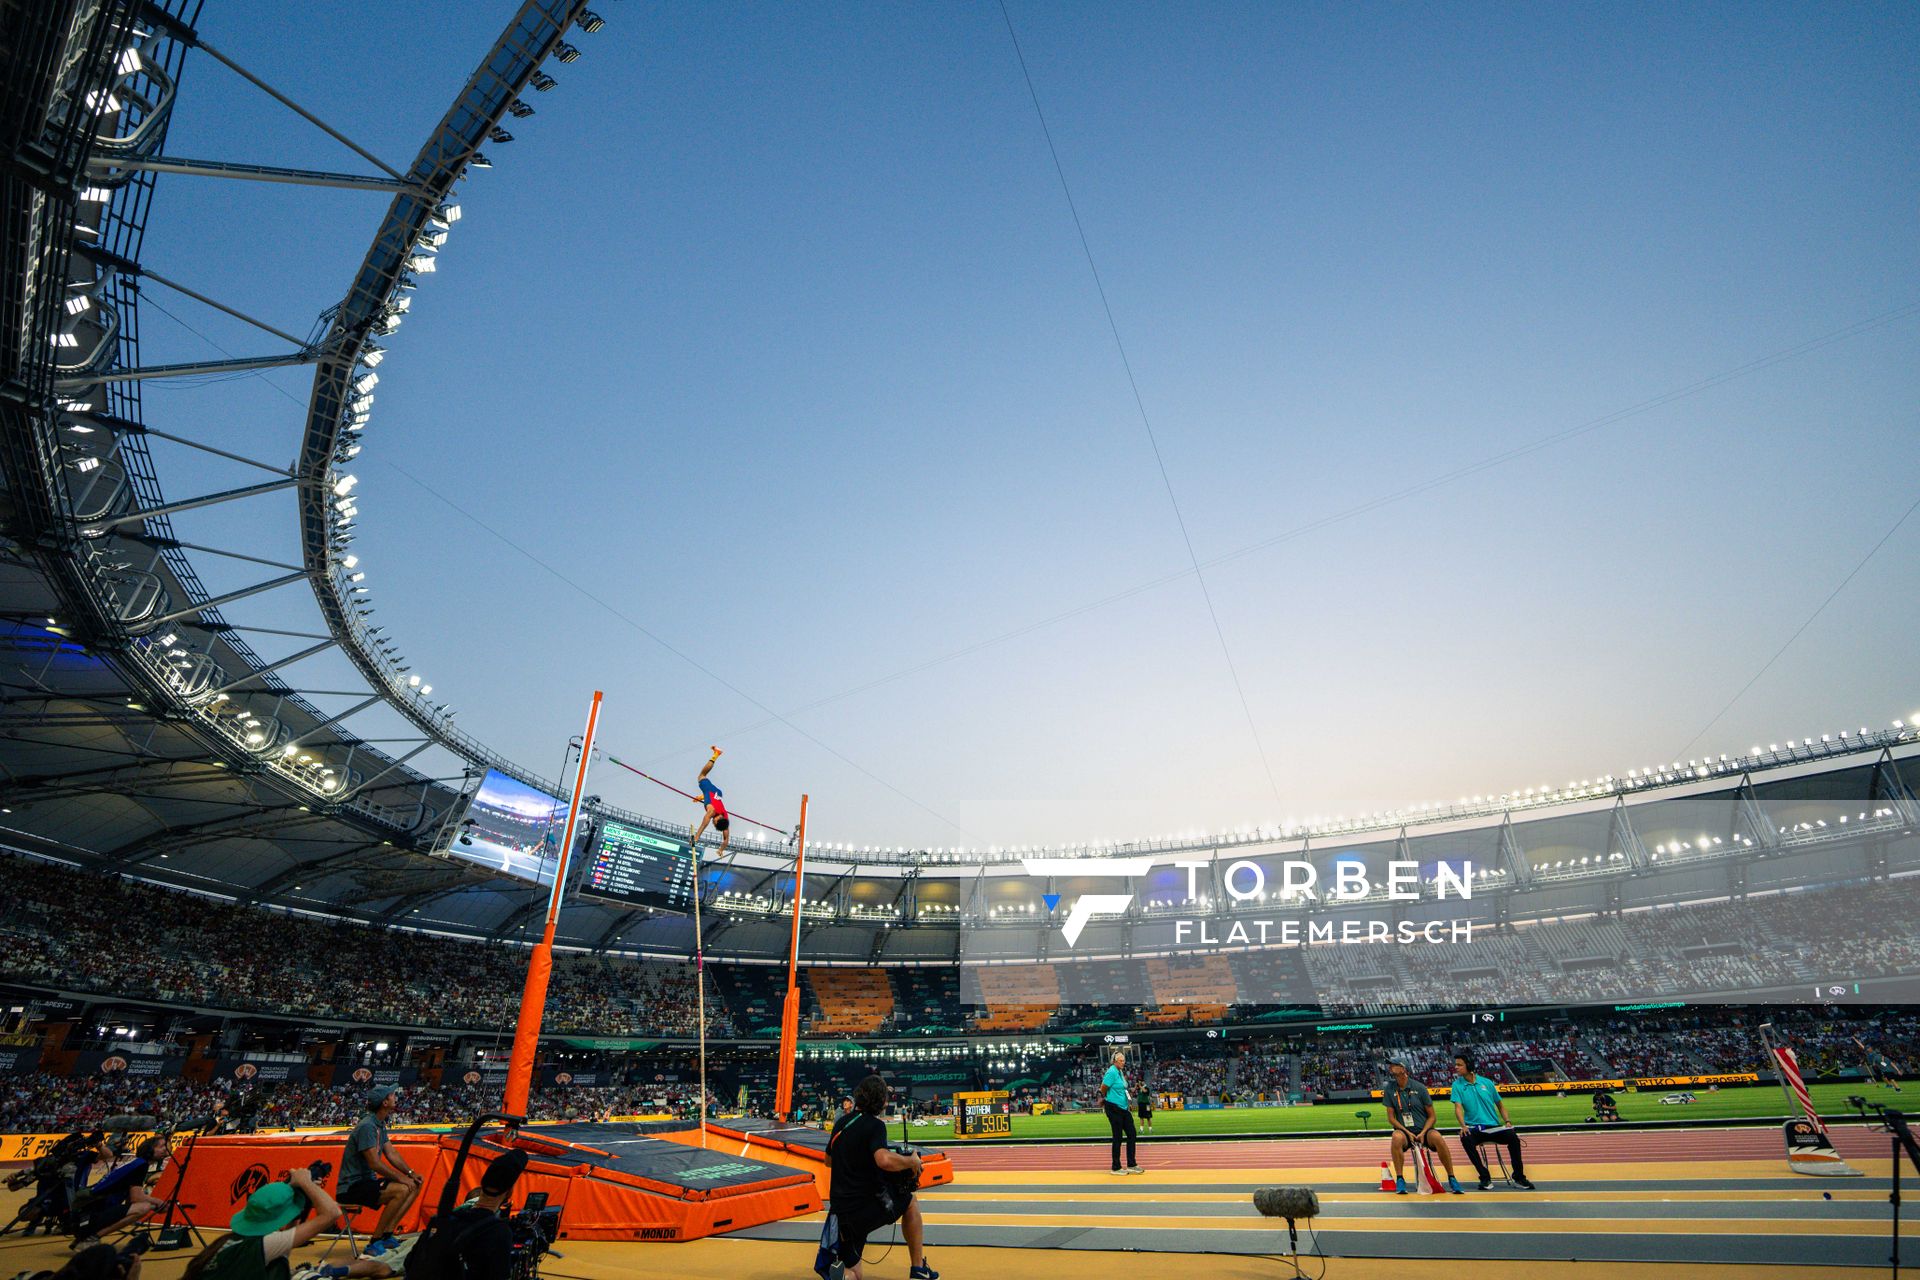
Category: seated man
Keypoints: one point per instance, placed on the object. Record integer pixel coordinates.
(1481, 1113)
(861, 1197)
(477, 1240)
(372, 1175)
(1410, 1110)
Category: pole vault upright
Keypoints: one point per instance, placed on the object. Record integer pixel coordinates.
(533, 1002)
(790, 1011)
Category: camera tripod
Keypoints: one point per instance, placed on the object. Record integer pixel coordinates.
(1900, 1135)
(169, 1236)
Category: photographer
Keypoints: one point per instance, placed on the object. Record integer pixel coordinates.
(100, 1262)
(372, 1174)
(871, 1187)
(121, 1198)
(264, 1234)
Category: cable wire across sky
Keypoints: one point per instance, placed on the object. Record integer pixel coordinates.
(1139, 403)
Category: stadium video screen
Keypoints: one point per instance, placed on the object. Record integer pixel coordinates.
(512, 828)
(639, 868)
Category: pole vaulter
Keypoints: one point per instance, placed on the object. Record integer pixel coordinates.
(790, 1009)
(533, 1002)
(764, 826)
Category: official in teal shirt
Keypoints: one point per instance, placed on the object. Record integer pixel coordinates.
(1119, 1118)
(1116, 1082)
(1482, 1115)
(1478, 1102)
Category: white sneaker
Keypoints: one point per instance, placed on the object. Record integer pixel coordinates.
(1118, 1173)
(1134, 1168)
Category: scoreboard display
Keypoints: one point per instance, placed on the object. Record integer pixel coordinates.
(638, 868)
(982, 1115)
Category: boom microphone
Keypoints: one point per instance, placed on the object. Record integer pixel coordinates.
(1287, 1202)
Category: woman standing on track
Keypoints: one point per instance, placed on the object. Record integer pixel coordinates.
(1119, 1115)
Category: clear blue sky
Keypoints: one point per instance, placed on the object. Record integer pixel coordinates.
(772, 330)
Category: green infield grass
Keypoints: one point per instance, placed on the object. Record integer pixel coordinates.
(1741, 1103)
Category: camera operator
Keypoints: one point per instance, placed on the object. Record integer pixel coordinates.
(862, 1196)
(264, 1233)
(372, 1174)
(55, 1177)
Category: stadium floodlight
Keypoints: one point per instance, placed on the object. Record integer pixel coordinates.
(590, 21)
(372, 356)
(542, 82)
(499, 135)
(420, 264)
(344, 485)
(357, 577)
(565, 52)
(413, 681)
(519, 110)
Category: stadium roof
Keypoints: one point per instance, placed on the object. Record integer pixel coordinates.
(151, 728)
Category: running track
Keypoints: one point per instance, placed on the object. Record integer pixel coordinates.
(1601, 1146)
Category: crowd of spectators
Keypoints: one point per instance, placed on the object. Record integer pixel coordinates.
(40, 1103)
(1746, 944)
(93, 933)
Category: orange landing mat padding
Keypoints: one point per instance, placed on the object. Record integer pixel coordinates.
(623, 1187)
(796, 1147)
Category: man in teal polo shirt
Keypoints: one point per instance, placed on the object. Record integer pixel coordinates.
(1482, 1116)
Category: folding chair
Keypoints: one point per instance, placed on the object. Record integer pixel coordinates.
(1500, 1154)
(344, 1227)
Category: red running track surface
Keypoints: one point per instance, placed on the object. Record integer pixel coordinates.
(1300, 1153)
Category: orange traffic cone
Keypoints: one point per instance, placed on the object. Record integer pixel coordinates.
(1386, 1178)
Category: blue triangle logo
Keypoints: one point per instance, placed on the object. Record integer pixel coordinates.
(1051, 899)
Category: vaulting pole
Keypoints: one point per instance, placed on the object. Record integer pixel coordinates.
(790, 1011)
(533, 1003)
(700, 982)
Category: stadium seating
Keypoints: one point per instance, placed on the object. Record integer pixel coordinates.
(850, 1001)
(1021, 997)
